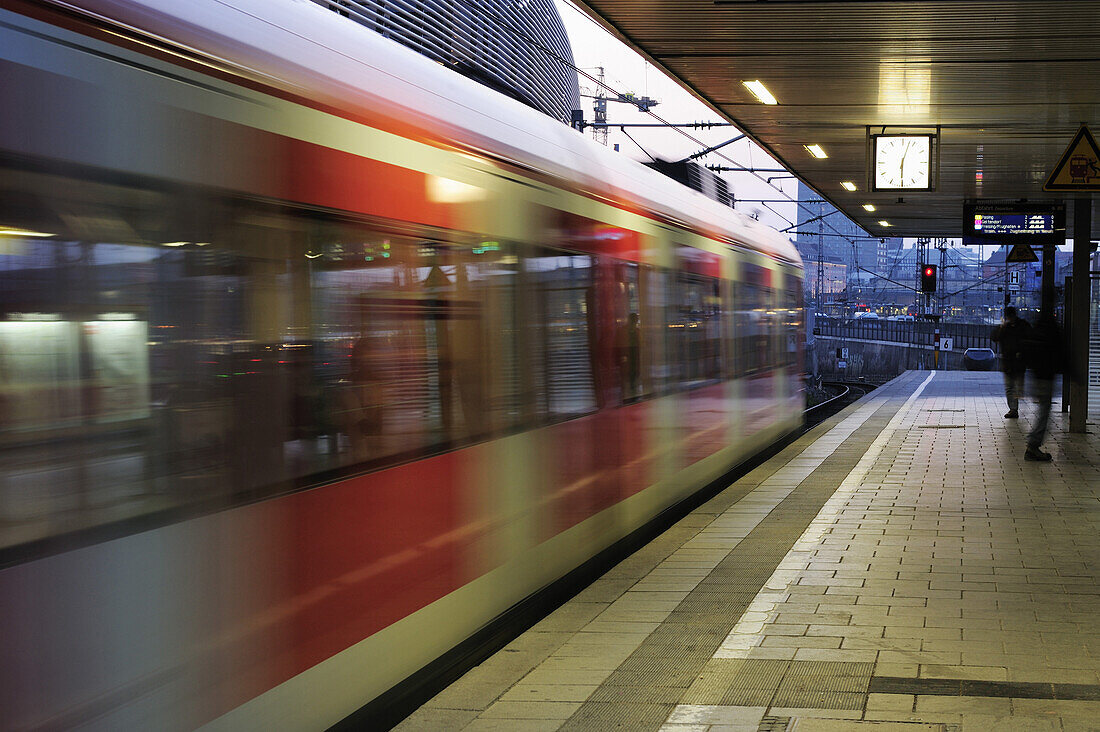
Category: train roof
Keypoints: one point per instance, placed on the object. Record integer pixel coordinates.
(303, 48)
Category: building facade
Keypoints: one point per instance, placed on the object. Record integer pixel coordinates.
(827, 236)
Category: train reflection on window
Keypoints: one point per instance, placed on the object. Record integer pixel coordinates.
(754, 324)
(558, 332)
(694, 329)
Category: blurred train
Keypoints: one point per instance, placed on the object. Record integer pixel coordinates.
(316, 357)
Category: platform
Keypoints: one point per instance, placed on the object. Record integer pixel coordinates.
(899, 564)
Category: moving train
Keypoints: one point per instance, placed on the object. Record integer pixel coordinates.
(316, 358)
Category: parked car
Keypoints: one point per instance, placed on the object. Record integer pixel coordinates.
(979, 359)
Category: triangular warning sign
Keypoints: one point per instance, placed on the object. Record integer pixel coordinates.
(1079, 167)
(1021, 253)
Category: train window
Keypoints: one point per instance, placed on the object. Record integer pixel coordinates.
(650, 309)
(693, 319)
(625, 320)
(659, 373)
(106, 293)
(727, 312)
(423, 327)
(792, 316)
(694, 328)
(560, 349)
(165, 347)
(590, 317)
(754, 327)
(628, 332)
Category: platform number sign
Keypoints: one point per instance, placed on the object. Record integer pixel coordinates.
(944, 344)
(842, 354)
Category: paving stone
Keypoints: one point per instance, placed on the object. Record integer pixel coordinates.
(836, 725)
(890, 702)
(715, 714)
(633, 715)
(428, 719)
(526, 691)
(530, 710)
(482, 724)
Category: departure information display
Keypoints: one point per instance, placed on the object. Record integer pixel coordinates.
(1011, 224)
(1005, 222)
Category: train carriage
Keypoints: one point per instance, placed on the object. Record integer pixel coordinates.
(316, 358)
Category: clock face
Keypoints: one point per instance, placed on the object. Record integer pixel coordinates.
(903, 162)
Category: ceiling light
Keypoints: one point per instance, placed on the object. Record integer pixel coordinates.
(175, 244)
(14, 231)
(904, 87)
(868, 207)
(816, 151)
(760, 92)
(848, 185)
(883, 222)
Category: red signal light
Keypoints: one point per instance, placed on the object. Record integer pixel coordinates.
(928, 278)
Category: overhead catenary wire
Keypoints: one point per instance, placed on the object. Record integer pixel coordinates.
(639, 145)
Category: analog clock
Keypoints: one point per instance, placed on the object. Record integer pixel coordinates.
(902, 162)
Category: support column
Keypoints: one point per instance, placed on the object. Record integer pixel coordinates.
(1067, 311)
(1079, 338)
(1047, 299)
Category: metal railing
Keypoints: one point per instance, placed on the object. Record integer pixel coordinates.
(916, 333)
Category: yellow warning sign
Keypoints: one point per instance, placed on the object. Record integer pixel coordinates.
(1079, 167)
(1021, 253)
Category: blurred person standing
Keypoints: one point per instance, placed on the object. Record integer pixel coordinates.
(1046, 359)
(1012, 337)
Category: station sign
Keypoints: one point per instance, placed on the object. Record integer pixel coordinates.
(1013, 223)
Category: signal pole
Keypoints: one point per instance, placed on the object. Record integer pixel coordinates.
(820, 263)
(941, 244)
(922, 259)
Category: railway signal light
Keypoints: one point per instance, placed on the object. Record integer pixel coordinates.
(928, 278)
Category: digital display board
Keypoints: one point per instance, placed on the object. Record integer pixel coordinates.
(992, 222)
(1012, 224)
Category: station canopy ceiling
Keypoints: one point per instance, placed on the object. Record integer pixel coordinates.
(1008, 84)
